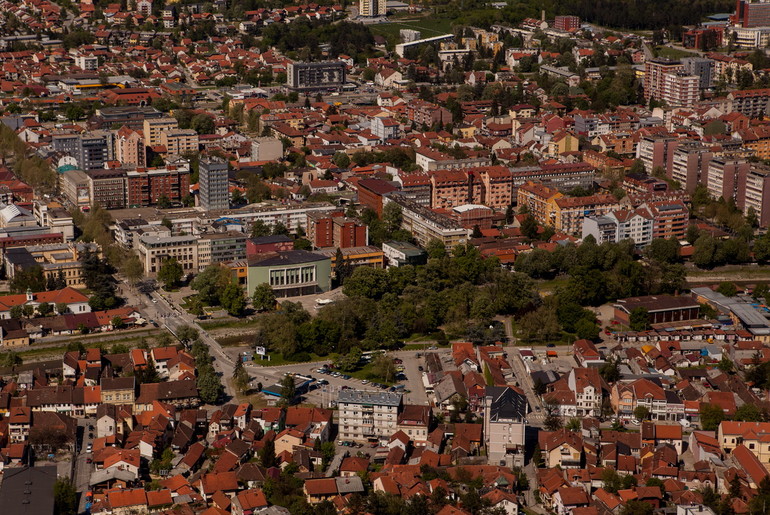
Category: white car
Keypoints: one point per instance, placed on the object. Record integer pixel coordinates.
(364, 381)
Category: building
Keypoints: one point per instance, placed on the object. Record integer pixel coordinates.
(75, 187)
(91, 150)
(325, 75)
(179, 141)
(57, 261)
(147, 186)
(75, 301)
(702, 68)
(415, 421)
(290, 273)
(727, 178)
(349, 232)
(660, 308)
(319, 229)
(28, 490)
(426, 225)
(656, 152)
(751, 37)
(129, 147)
(450, 188)
(155, 248)
(655, 71)
(751, 14)
(266, 149)
(262, 244)
(505, 409)
(689, 165)
(400, 253)
(371, 193)
(372, 8)
(385, 128)
(566, 214)
(671, 218)
(213, 184)
(681, 89)
(218, 248)
(757, 197)
(566, 23)
(155, 127)
(620, 225)
(754, 103)
(538, 200)
(703, 38)
(367, 416)
(369, 255)
(107, 188)
(131, 116)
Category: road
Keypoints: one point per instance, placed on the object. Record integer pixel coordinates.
(82, 469)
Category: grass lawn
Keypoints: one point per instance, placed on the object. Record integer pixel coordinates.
(673, 53)
(276, 360)
(222, 323)
(367, 372)
(552, 284)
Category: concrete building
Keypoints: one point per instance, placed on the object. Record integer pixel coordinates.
(566, 23)
(74, 185)
(146, 187)
(751, 14)
(219, 248)
(727, 178)
(567, 213)
(213, 184)
(758, 193)
(751, 37)
(156, 247)
(107, 188)
(400, 253)
(620, 225)
(689, 165)
(326, 75)
(504, 412)
(670, 218)
(154, 127)
(681, 89)
(129, 147)
(372, 8)
(754, 103)
(655, 71)
(290, 273)
(426, 224)
(702, 68)
(367, 416)
(266, 149)
(179, 141)
(656, 152)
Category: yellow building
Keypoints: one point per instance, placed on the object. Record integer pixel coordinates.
(155, 127)
(563, 141)
(540, 201)
(357, 256)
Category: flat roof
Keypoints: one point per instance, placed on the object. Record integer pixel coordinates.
(361, 397)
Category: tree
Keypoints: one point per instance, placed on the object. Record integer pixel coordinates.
(435, 248)
(240, 377)
(132, 269)
(187, 334)
(663, 250)
(710, 416)
(259, 229)
(641, 413)
(750, 413)
(384, 368)
(552, 420)
(610, 371)
(288, 389)
(117, 322)
(725, 364)
(17, 312)
(62, 308)
(341, 159)
(170, 273)
(65, 497)
(639, 319)
(209, 386)
(635, 507)
(211, 283)
(342, 267)
(727, 289)
(371, 283)
(233, 299)
(10, 359)
(392, 217)
(263, 298)
(267, 456)
(529, 227)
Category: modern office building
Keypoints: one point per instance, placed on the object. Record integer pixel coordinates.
(213, 184)
(325, 75)
(367, 416)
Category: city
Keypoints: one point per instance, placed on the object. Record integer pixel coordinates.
(435, 258)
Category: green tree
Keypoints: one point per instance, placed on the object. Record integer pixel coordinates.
(16, 312)
(639, 319)
(170, 273)
(209, 386)
(263, 298)
(132, 269)
(710, 416)
(610, 371)
(267, 456)
(65, 497)
(384, 368)
(240, 377)
(233, 299)
(641, 413)
(529, 227)
(750, 413)
(187, 334)
(371, 283)
(259, 228)
(341, 159)
(725, 364)
(635, 507)
(211, 283)
(288, 389)
(436, 249)
(727, 289)
(663, 250)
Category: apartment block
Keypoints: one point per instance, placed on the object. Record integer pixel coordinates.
(74, 185)
(567, 23)
(349, 232)
(449, 188)
(727, 178)
(670, 218)
(367, 416)
(426, 225)
(129, 147)
(656, 152)
(758, 193)
(655, 71)
(681, 89)
(219, 248)
(754, 103)
(538, 199)
(154, 127)
(497, 186)
(505, 411)
(213, 184)
(146, 187)
(107, 188)
(689, 165)
(179, 141)
(567, 213)
(636, 225)
(702, 68)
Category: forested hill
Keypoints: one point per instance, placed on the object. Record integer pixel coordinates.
(643, 14)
